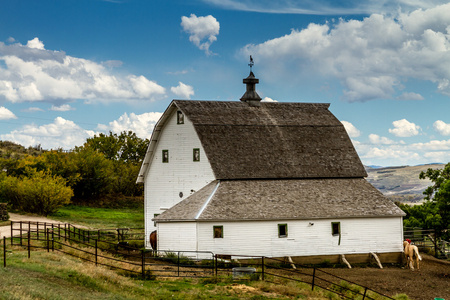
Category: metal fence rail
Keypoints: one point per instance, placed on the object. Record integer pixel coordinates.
(109, 248)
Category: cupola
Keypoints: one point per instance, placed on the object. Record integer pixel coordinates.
(251, 96)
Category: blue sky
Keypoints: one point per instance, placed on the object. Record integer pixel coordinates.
(70, 69)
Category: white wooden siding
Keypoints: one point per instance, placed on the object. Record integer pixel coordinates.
(177, 236)
(260, 238)
(164, 181)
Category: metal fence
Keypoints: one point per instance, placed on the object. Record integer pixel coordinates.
(428, 241)
(115, 253)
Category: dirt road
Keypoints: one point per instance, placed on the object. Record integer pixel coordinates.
(6, 230)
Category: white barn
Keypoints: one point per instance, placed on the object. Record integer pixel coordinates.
(262, 178)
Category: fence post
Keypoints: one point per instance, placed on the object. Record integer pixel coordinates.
(12, 224)
(365, 291)
(178, 264)
(215, 265)
(37, 230)
(143, 264)
(29, 244)
(435, 244)
(96, 252)
(21, 233)
(4, 251)
(314, 276)
(48, 240)
(262, 268)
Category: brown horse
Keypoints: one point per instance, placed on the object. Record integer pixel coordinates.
(411, 255)
(153, 240)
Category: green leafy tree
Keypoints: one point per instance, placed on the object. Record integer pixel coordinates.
(125, 147)
(96, 174)
(439, 196)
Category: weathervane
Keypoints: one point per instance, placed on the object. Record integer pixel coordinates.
(251, 63)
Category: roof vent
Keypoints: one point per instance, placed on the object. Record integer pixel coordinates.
(251, 96)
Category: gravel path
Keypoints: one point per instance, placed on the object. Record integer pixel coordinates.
(6, 230)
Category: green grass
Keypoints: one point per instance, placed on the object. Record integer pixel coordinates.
(100, 218)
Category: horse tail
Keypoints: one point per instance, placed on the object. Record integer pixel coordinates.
(416, 252)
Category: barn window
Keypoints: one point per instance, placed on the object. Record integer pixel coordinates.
(180, 117)
(218, 232)
(336, 230)
(282, 230)
(165, 156)
(196, 154)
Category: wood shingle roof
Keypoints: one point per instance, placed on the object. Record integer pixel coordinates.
(273, 140)
(298, 199)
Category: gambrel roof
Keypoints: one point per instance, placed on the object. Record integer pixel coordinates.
(294, 199)
(271, 141)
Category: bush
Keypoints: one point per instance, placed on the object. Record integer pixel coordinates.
(39, 193)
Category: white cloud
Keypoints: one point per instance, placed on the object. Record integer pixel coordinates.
(35, 44)
(33, 109)
(410, 96)
(6, 114)
(32, 73)
(324, 7)
(351, 129)
(404, 128)
(442, 127)
(433, 145)
(142, 124)
(376, 139)
(59, 134)
(267, 99)
(63, 107)
(202, 31)
(372, 58)
(183, 90)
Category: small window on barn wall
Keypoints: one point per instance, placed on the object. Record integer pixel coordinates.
(165, 156)
(180, 117)
(218, 232)
(196, 154)
(336, 230)
(282, 230)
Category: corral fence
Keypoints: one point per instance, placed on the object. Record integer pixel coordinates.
(147, 264)
(428, 241)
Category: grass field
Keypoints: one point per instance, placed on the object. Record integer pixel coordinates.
(58, 276)
(101, 218)
(49, 276)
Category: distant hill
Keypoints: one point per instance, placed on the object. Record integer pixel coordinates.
(401, 183)
(16, 151)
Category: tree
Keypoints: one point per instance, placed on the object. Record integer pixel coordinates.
(126, 147)
(439, 197)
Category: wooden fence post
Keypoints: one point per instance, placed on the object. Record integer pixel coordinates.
(96, 253)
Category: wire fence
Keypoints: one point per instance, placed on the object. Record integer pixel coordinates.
(112, 249)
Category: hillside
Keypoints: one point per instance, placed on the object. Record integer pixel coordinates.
(401, 183)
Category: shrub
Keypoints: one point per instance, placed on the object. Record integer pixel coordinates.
(39, 193)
